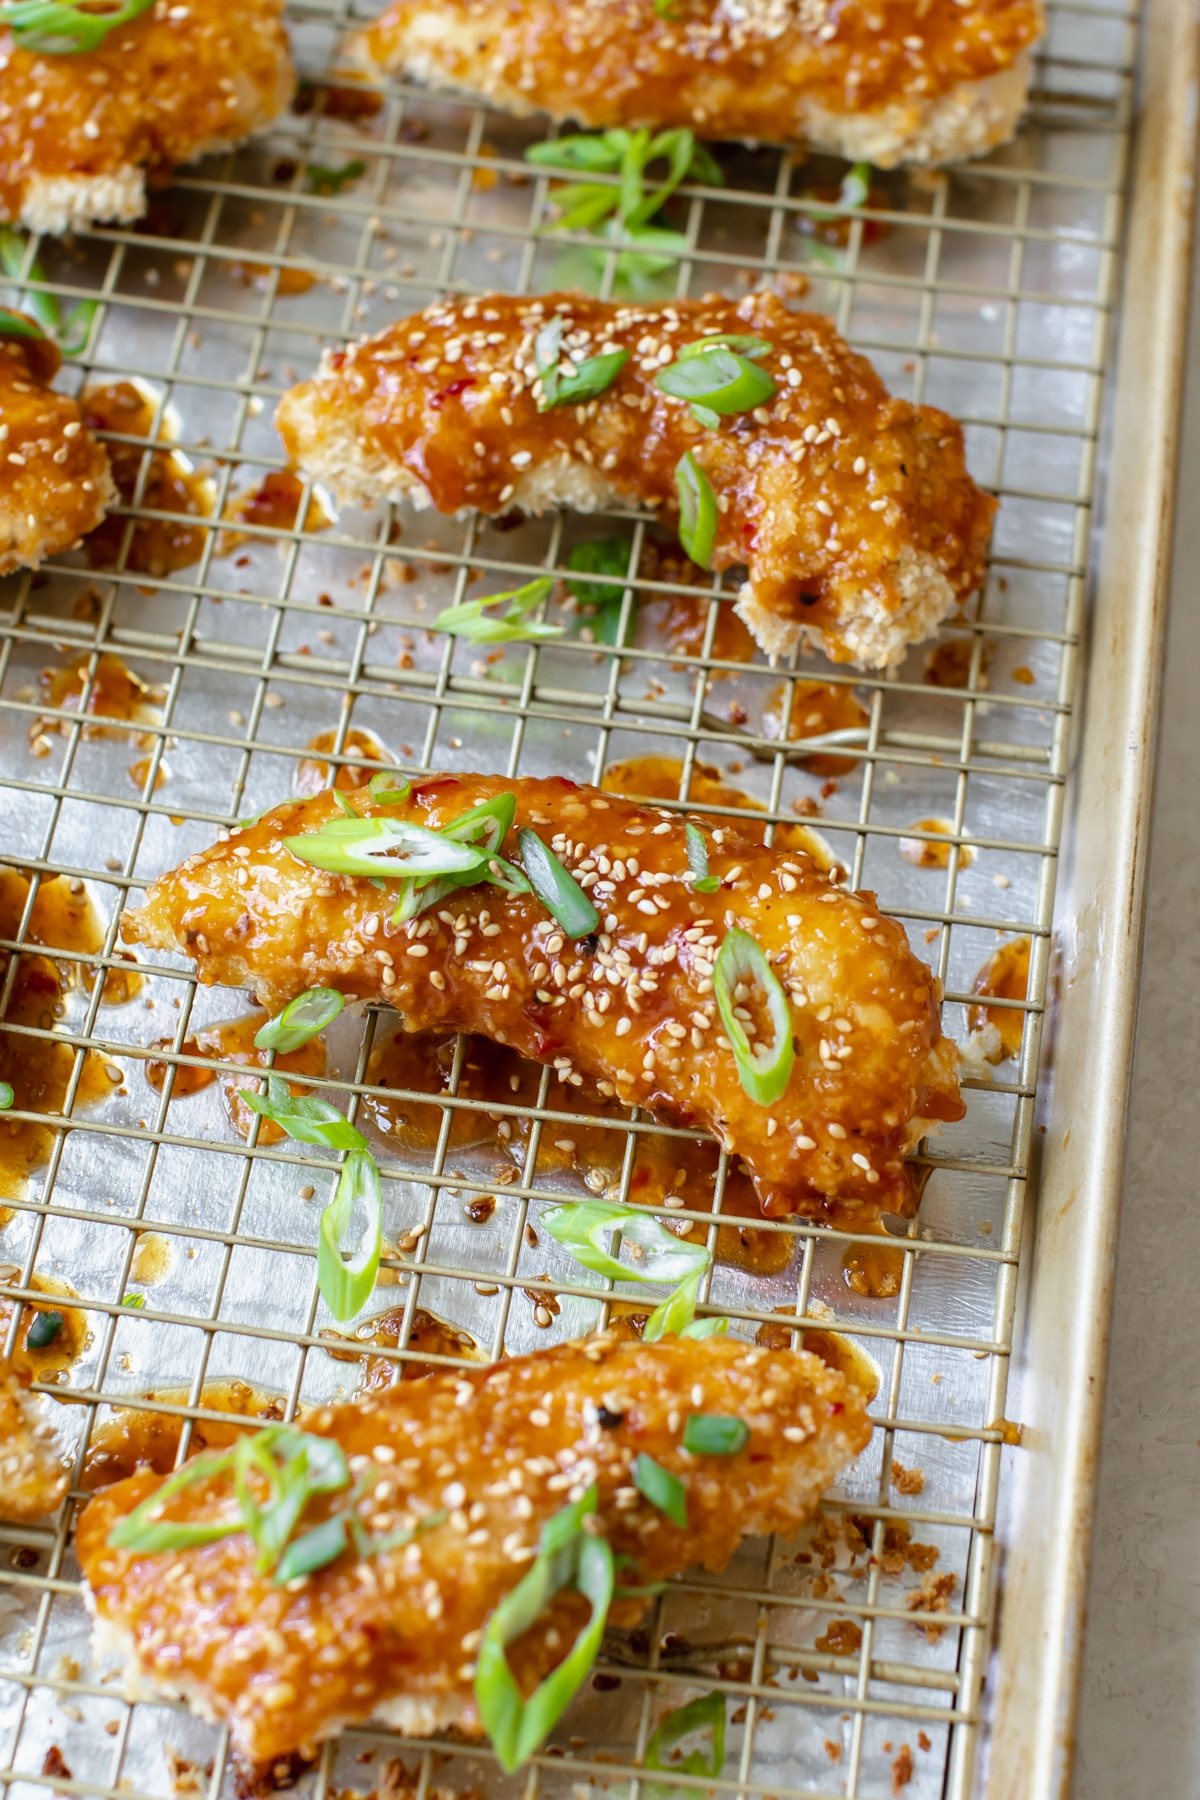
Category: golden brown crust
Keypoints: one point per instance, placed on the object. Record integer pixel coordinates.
(853, 511)
(501, 1450)
(78, 132)
(886, 80)
(33, 1477)
(55, 482)
(633, 1011)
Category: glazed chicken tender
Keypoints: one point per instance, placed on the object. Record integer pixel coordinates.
(880, 81)
(631, 1007)
(33, 1477)
(55, 481)
(81, 132)
(852, 511)
(484, 1459)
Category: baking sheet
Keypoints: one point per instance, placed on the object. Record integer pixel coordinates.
(987, 290)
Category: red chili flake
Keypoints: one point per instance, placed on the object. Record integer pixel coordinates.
(450, 393)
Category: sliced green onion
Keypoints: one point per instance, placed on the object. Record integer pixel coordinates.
(662, 1489)
(754, 347)
(592, 155)
(43, 1329)
(764, 1071)
(568, 1557)
(674, 1316)
(15, 324)
(704, 1714)
(704, 415)
(331, 181)
(721, 380)
(388, 789)
(300, 1021)
(697, 855)
(580, 1226)
(344, 806)
(134, 1300)
(346, 1284)
(7, 1096)
(59, 28)
(317, 1547)
(358, 846)
(303, 1116)
(368, 1546)
(293, 1465)
(600, 556)
(589, 379)
(856, 185)
(558, 891)
(706, 1328)
(697, 510)
(715, 1434)
(469, 619)
(487, 825)
(667, 9)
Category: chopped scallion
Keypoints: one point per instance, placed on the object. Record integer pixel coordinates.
(344, 806)
(718, 380)
(753, 347)
(312, 1551)
(471, 620)
(60, 28)
(704, 1714)
(586, 380)
(357, 846)
(43, 1329)
(558, 891)
(568, 1557)
(303, 1116)
(7, 1096)
(582, 1225)
(387, 789)
(662, 1489)
(15, 324)
(346, 1284)
(331, 181)
(765, 1066)
(135, 1300)
(697, 510)
(715, 1434)
(697, 855)
(301, 1020)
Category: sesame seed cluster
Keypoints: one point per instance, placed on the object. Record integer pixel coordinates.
(497, 1453)
(54, 476)
(177, 79)
(631, 1010)
(729, 68)
(826, 492)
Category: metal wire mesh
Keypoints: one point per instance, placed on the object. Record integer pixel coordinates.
(986, 289)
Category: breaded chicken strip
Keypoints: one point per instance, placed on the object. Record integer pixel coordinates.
(55, 482)
(33, 1477)
(631, 1008)
(80, 133)
(853, 511)
(880, 81)
(486, 1458)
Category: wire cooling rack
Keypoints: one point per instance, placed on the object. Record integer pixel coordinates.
(854, 1662)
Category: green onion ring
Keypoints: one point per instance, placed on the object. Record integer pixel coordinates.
(763, 1076)
(346, 1284)
(342, 846)
(697, 855)
(697, 510)
(662, 1489)
(720, 379)
(715, 1434)
(301, 1020)
(558, 891)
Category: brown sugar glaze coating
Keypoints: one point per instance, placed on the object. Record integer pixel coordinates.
(54, 477)
(852, 510)
(742, 70)
(632, 1009)
(500, 1450)
(175, 82)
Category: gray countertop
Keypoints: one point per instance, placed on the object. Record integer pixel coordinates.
(1141, 1682)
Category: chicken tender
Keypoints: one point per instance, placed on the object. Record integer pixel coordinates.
(81, 133)
(33, 1477)
(630, 1008)
(852, 511)
(880, 81)
(55, 480)
(484, 1458)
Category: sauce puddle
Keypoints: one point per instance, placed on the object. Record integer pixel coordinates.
(1004, 976)
(158, 546)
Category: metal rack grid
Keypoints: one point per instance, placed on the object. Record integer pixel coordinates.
(987, 289)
